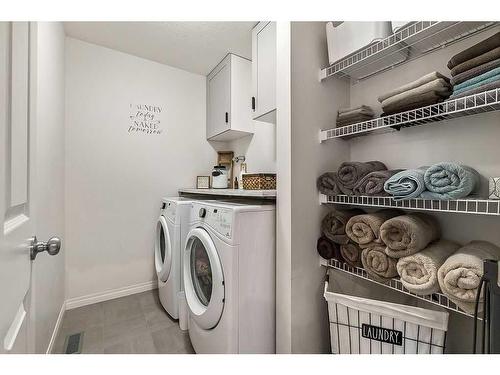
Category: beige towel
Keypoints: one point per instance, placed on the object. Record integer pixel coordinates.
(351, 253)
(365, 229)
(419, 272)
(333, 224)
(419, 82)
(408, 234)
(377, 264)
(438, 85)
(460, 274)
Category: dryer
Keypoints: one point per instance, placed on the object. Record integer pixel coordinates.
(171, 232)
(229, 277)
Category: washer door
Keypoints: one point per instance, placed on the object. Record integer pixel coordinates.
(163, 250)
(203, 279)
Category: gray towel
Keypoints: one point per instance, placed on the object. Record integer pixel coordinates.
(364, 108)
(353, 120)
(327, 184)
(408, 234)
(365, 229)
(423, 100)
(438, 85)
(406, 184)
(419, 272)
(378, 264)
(411, 85)
(448, 180)
(460, 274)
(476, 61)
(477, 90)
(373, 183)
(476, 50)
(474, 72)
(351, 253)
(333, 224)
(350, 173)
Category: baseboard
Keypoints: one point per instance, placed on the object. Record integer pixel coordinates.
(55, 332)
(73, 303)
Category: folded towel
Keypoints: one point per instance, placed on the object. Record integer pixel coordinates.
(460, 274)
(353, 120)
(327, 249)
(438, 85)
(476, 61)
(378, 264)
(350, 173)
(364, 108)
(477, 90)
(351, 253)
(327, 184)
(373, 183)
(474, 72)
(476, 50)
(491, 79)
(414, 84)
(448, 180)
(477, 80)
(419, 272)
(414, 102)
(406, 184)
(365, 229)
(333, 224)
(408, 234)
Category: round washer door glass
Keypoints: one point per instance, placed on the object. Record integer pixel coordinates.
(163, 250)
(203, 279)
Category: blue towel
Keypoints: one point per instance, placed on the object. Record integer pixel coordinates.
(406, 184)
(448, 180)
(478, 84)
(477, 79)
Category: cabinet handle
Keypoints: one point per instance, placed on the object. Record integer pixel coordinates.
(253, 103)
(227, 117)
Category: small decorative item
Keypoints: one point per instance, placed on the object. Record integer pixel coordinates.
(203, 182)
(494, 192)
(259, 181)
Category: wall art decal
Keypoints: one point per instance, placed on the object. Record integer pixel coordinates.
(145, 119)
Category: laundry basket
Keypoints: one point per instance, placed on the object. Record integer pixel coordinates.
(367, 326)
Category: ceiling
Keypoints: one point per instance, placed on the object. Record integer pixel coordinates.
(193, 46)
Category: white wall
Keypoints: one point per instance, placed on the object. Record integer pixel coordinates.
(49, 271)
(115, 180)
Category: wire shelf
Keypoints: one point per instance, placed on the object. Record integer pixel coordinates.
(407, 44)
(464, 206)
(486, 101)
(395, 284)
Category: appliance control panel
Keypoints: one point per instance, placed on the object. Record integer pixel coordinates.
(220, 219)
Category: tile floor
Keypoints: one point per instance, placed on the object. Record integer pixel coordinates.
(135, 324)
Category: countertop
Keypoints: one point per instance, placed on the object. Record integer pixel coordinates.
(231, 192)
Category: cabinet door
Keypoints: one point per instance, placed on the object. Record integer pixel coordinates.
(219, 99)
(264, 68)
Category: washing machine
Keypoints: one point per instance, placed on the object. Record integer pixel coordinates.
(171, 231)
(229, 277)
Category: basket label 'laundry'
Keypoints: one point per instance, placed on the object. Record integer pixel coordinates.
(389, 336)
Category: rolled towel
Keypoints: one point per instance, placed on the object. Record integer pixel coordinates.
(365, 229)
(436, 86)
(460, 274)
(476, 61)
(327, 184)
(327, 249)
(476, 50)
(406, 184)
(419, 272)
(477, 90)
(448, 180)
(411, 85)
(373, 183)
(333, 224)
(474, 72)
(408, 234)
(378, 264)
(351, 253)
(350, 173)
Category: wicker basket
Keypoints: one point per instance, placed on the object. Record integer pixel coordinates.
(259, 181)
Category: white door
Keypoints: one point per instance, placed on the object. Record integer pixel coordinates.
(219, 99)
(163, 249)
(17, 148)
(264, 68)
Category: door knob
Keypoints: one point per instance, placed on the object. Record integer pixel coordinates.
(52, 246)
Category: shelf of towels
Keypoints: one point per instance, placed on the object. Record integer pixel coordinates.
(468, 105)
(415, 40)
(465, 206)
(395, 284)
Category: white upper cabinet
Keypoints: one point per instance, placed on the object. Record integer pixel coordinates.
(264, 72)
(229, 115)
